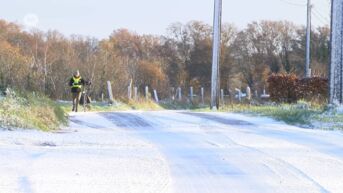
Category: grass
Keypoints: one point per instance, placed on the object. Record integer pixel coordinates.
(290, 114)
(181, 105)
(304, 114)
(117, 106)
(39, 112)
(31, 111)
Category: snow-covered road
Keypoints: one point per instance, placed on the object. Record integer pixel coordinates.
(171, 151)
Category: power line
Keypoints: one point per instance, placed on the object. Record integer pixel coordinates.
(294, 4)
(321, 18)
(320, 21)
(326, 3)
(321, 15)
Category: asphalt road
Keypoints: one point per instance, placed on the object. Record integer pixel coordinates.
(171, 151)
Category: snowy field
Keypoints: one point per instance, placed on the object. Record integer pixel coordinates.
(171, 151)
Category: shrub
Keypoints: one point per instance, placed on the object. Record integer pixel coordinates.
(282, 87)
(315, 88)
(288, 88)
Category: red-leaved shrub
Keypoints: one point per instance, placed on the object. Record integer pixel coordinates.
(289, 88)
(314, 88)
(282, 87)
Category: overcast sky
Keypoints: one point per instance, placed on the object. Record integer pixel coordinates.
(99, 18)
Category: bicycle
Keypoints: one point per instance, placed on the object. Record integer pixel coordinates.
(85, 99)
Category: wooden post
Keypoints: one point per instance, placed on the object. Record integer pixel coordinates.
(222, 95)
(179, 93)
(147, 93)
(172, 93)
(129, 94)
(202, 95)
(102, 97)
(136, 93)
(156, 96)
(191, 93)
(239, 94)
(109, 90)
(248, 93)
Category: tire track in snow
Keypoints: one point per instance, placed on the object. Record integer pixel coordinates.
(285, 166)
(195, 169)
(263, 159)
(130, 122)
(24, 185)
(301, 173)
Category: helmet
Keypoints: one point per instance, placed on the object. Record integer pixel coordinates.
(77, 73)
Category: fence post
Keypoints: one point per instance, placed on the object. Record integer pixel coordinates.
(172, 93)
(136, 93)
(202, 95)
(156, 96)
(146, 92)
(239, 94)
(109, 90)
(191, 93)
(179, 93)
(248, 93)
(222, 95)
(129, 94)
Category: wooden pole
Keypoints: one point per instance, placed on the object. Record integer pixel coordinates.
(136, 93)
(222, 96)
(147, 93)
(191, 93)
(202, 95)
(215, 80)
(109, 90)
(179, 94)
(156, 96)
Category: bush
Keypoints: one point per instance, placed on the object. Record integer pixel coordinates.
(282, 88)
(288, 88)
(315, 88)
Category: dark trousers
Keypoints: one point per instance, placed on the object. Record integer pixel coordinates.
(76, 100)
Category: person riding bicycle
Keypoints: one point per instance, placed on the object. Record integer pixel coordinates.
(76, 83)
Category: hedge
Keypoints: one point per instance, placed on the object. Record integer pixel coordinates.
(288, 88)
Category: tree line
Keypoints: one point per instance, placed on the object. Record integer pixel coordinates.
(44, 61)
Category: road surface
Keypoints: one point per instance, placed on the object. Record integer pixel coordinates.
(171, 152)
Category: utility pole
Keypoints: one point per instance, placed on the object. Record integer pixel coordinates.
(215, 81)
(308, 40)
(336, 66)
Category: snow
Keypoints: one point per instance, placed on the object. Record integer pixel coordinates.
(92, 155)
(172, 151)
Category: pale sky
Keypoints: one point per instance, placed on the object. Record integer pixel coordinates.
(99, 18)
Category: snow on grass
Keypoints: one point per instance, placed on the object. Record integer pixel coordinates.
(30, 111)
(303, 114)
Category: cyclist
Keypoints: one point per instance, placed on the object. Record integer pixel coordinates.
(76, 83)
